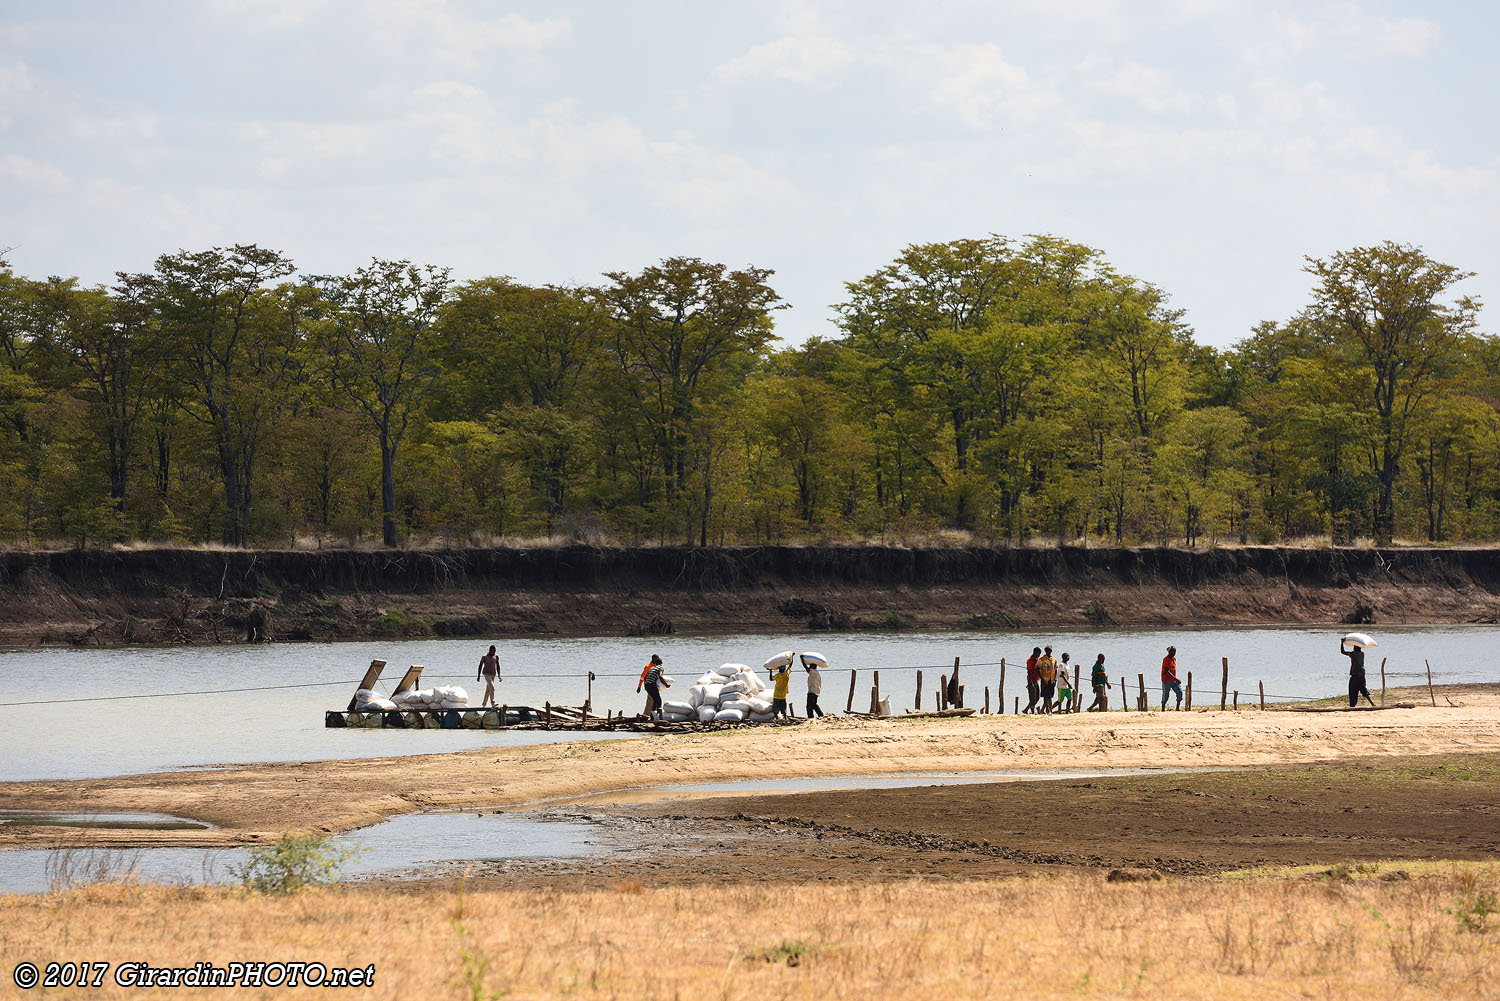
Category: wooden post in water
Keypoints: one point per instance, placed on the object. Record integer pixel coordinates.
(1382, 681)
(849, 706)
(986, 700)
(1000, 692)
(1262, 694)
(955, 690)
(875, 696)
(1077, 694)
(1190, 691)
(1224, 687)
(502, 714)
(1430, 694)
(1236, 700)
(960, 696)
(942, 692)
(549, 712)
(1017, 707)
(1124, 695)
(918, 704)
(1142, 679)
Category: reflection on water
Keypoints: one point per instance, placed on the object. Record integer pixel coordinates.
(397, 845)
(101, 736)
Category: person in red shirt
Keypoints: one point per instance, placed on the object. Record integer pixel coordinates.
(1169, 682)
(1033, 680)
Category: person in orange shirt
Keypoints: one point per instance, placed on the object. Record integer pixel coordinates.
(650, 680)
(1169, 682)
(1033, 680)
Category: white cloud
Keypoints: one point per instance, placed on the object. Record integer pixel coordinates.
(33, 173)
(806, 60)
(1150, 87)
(271, 13)
(1347, 32)
(448, 33)
(15, 82)
(977, 85)
(447, 90)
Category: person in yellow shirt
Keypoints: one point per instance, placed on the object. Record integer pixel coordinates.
(1047, 669)
(782, 676)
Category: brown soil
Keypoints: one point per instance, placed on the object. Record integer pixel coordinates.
(1403, 808)
(189, 596)
(258, 802)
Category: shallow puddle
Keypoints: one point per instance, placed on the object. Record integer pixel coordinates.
(107, 821)
(395, 846)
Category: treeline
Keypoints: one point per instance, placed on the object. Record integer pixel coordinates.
(1011, 389)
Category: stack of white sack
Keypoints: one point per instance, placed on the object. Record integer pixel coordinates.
(367, 701)
(732, 694)
(441, 697)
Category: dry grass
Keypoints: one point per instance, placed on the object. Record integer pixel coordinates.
(1075, 936)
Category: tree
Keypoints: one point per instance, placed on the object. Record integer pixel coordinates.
(681, 328)
(528, 356)
(1385, 305)
(234, 349)
(379, 341)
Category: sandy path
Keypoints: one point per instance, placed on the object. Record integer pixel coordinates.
(256, 802)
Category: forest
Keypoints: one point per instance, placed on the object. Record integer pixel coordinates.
(993, 390)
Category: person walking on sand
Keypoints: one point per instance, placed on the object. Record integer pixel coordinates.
(489, 670)
(1064, 686)
(1356, 655)
(1046, 670)
(651, 681)
(814, 688)
(1033, 680)
(1169, 682)
(782, 676)
(1100, 680)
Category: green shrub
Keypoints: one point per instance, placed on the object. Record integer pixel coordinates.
(292, 862)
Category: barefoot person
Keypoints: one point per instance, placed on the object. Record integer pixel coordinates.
(1064, 686)
(1100, 680)
(651, 681)
(1356, 655)
(1169, 682)
(1033, 680)
(814, 685)
(782, 676)
(489, 670)
(1046, 673)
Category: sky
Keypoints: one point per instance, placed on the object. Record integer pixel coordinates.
(1205, 146)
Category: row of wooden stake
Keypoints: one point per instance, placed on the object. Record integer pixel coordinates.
(950, 693)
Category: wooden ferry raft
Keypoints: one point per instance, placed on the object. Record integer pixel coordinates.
(549, 717)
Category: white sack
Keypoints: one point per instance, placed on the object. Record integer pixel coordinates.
(712, 678)
(760, 717)
(730, 670)
(760, 705)
(666, 682)
(814, 659)
(739, 704)
(1359, 639)
(729, 716)
(732, 688)
(706, 713)
(779, 661)
(695, 696)
(679, 708)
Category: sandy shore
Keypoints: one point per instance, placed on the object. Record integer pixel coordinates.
(257, 802)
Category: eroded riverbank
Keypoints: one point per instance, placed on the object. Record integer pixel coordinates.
(105, 597)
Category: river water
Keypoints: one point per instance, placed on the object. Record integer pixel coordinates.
(79, 713)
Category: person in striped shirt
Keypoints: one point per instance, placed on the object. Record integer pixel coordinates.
(651, 681)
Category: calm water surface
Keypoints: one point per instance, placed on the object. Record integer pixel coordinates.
(104, 733)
